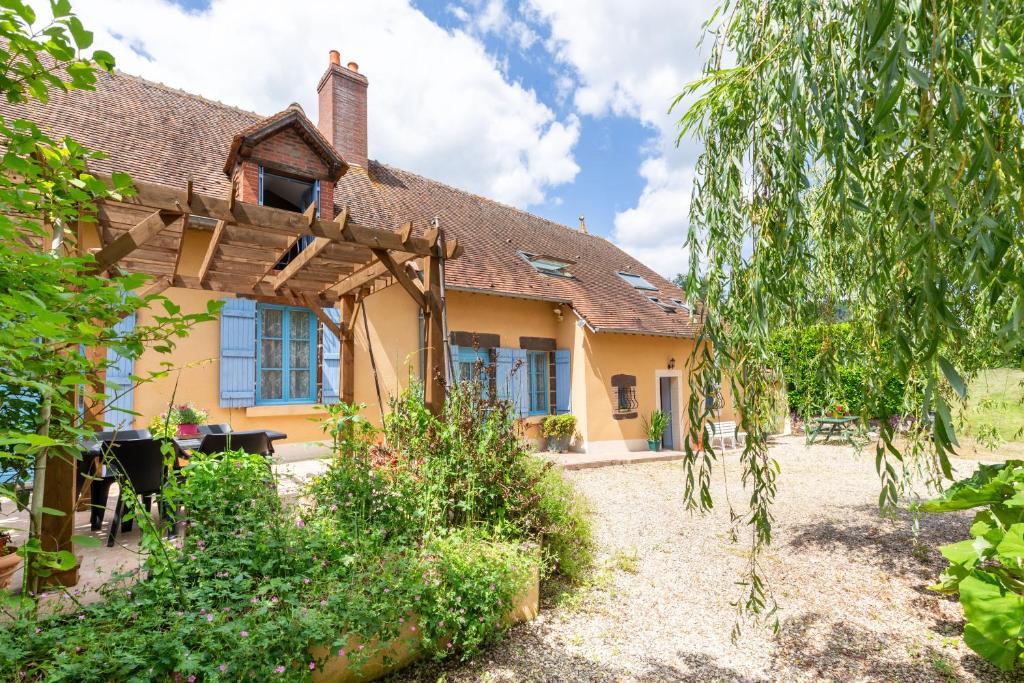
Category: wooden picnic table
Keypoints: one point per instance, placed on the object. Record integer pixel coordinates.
(844, 427)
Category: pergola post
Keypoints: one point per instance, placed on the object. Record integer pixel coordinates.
(348, 349)
(435, 378)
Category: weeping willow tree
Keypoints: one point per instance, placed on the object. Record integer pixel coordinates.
(863, 153)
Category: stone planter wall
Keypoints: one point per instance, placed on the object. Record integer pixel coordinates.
(405, 649)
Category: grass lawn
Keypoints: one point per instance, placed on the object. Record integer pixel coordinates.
(995, 405)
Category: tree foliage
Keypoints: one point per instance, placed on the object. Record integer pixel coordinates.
(828, 364)
(53, 302)
(865, 153)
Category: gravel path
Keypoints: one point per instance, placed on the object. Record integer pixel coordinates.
(851, 588)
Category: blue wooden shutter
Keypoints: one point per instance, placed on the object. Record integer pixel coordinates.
(562, 381)
(330, 364)
(521, 382)
(503, 378)
(120, 391)
(238, 353)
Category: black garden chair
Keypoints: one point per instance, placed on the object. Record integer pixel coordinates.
(222, 428)
(254, 442)
(138, 465)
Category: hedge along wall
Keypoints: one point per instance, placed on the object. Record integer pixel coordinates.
(824, 365)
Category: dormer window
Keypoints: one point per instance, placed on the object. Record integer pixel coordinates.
(291, 194)
(666, 306)
(637, 282)
(549, 265)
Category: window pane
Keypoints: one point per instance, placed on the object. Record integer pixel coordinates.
(299, 324)
(270, 384)
(299, 353)
(270, 353)
(272, 322)
(299, 384)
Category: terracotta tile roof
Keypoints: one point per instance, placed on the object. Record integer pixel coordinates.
(163, 135)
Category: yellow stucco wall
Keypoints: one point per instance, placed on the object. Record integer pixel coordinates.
(647, 358)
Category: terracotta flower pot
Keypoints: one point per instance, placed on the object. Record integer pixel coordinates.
(8, 565)
(188, 430)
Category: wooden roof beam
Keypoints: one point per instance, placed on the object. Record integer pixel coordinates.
(397, 271)
(309, 253)
(211, 249)
(163, 197)
(364, 276)
(312, 303)
(129, 241)
(262, 292)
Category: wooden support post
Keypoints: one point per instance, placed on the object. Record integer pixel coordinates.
(348, 349)
(435, 380)
(59, 494)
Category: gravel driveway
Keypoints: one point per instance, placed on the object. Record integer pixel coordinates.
(851, 587)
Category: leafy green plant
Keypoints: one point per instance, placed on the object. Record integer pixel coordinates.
(53, 302)
(559, 425)
(987, 570)
(255, 585)
(164, 426)
(467, 468)
(188, 414)
(655, 425)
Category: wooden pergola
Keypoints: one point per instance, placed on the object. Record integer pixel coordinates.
(344, 263)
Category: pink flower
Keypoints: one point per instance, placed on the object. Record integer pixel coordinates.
(81, 616)
(341, 652)
(209, 617)
(323, 602)
(244, 634)
(274, 599)
(312, 665)
(334, 508)
(223, 668)
(279, 670)
(192, 678)
(306, 580)
(412, 628)
(300, 523)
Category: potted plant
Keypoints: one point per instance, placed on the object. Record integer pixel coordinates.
(164, 425)
(559, 430)
(9, 560)
(655, 427)
(189, 418)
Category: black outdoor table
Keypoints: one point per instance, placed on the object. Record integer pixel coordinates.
(93, 448)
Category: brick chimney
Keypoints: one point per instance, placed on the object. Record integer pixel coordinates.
(342, 92)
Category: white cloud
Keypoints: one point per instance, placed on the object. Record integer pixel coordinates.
(630, 59)
(439, 104)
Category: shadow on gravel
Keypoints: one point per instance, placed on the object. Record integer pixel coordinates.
(887, 543)
(530, 660)
(822, 649)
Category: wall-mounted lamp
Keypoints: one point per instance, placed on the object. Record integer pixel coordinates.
(558, 313)
(671, 363)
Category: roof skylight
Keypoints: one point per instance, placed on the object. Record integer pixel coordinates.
(637, 281)
(548, 265)
(663, 305)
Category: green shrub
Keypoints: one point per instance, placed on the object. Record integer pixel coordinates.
(468, 468)
(828, 364)
(987, 570)
(559, 426)
(254, 585)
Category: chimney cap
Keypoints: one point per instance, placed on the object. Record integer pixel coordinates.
(352, 66)
(335, 57)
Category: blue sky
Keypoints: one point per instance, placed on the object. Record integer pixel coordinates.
(554, 106)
